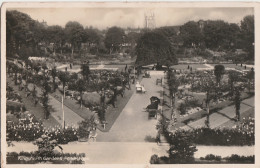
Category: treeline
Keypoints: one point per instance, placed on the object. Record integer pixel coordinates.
(28, 37)
(215, 35)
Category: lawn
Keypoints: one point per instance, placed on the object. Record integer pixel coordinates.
(248, 113)
(73, 105)
(185, 66)
(37, 110)
(238, 66)
(182, 121)
(111, 114)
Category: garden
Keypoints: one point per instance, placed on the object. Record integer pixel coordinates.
(210, 90)
(183, 143)
(89, 88)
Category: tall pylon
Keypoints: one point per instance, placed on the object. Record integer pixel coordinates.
(149, 20)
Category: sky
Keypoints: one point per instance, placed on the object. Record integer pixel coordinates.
(103, 18)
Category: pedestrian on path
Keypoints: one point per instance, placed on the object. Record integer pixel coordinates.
(35, 101)
(125, 67)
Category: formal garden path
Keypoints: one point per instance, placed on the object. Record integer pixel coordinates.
(55, 119)
(133, 124)
(70, 117)
(222, 116)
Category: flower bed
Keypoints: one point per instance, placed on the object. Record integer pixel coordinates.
(243, 134)
(29, 130)
(189, 106)
(210, 158)
(12, 96)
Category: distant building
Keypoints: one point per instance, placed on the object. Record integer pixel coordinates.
(201, 24)
(130, 30)
(44, 23)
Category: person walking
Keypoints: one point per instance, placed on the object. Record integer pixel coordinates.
(125, 67)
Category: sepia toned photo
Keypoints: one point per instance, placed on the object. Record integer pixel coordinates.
(128, 84)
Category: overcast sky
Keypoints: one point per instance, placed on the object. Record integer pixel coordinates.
(133, 17)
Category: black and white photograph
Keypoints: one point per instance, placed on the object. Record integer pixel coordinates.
(128, 83)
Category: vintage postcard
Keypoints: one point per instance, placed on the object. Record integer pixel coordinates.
(122, 84)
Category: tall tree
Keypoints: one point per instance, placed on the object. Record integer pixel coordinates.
(233, 76)
(154, 48)
(45, 98)
(22, 30)
(191, 34)
(81, 87)
(114, 38)
(209, 86)
(93, 37)
(64, 78)
(182, 149)
(55, 35)
(216, 33)
(54, 75)
(250, 77)
(75, 34)
(219, 71)
(85, 71)
(173, 83)
(248, 34)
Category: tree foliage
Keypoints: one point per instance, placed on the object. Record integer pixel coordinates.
(114, 38)
(191, 34)
(248, 33)
(219, 71)
(64, 78)
(45, 98)
(85, 71)
(81, 87)
(182, 149)
(75, 33)
(153, 48)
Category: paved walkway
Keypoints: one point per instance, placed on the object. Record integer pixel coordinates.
(133, 124)
(221, 117)
(71, 118)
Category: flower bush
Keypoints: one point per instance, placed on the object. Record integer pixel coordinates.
(243, 134)
(230, 159)
(190, 103)
(211, 157)
(13, 97)
(240, 159)
(29, 130)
